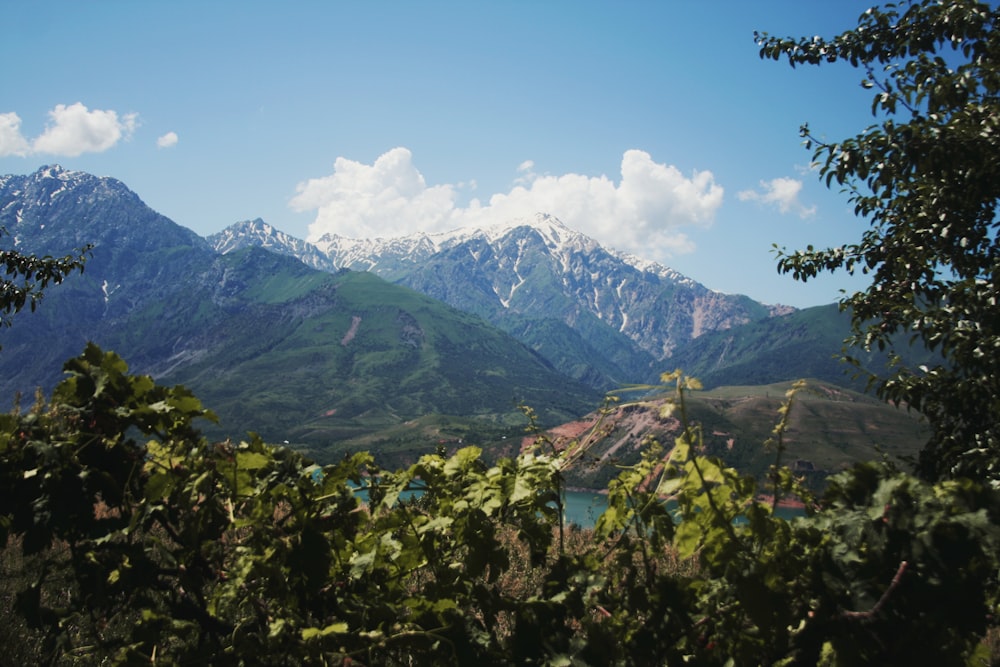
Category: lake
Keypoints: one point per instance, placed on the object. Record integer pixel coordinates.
(583, 508)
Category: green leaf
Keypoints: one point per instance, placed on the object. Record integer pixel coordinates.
(332, 629)
(252, 460)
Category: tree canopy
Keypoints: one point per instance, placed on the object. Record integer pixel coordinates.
(926, 174)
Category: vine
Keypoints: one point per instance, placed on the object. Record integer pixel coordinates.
(138, 540)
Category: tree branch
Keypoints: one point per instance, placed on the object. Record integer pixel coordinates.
(865, 615)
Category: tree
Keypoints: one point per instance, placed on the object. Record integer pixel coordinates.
(126, 537)
(27, 276)
(926, 175)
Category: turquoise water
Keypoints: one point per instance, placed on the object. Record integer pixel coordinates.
(583, 508)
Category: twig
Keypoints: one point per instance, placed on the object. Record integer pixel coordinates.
(864, 615)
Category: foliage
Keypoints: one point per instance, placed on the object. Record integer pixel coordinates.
(925, 175)
(138, 540)
(830, 429)
(128, 537)
(188, 551)
(26, 277)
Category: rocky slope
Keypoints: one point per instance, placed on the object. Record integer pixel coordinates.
(600, 316)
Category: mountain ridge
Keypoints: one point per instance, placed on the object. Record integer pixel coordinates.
(267, 342)
(338, 359)
(631, 312)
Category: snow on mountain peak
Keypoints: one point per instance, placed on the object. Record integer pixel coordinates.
(556, 235)
(380, 253)
(657, 269)
(57, 172)
(52, 171)
(553, 230)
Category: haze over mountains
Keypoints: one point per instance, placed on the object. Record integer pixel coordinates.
(333, 339)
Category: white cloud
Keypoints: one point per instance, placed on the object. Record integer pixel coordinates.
(526, 173)
(71, 131)
(642, 213)
(74, 129)
(11, 140)
(167, 140)
(782, 192)
(388, 198)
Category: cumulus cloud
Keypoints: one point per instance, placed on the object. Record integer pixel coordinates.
(11, 140)
(71, 131)
(167, 140)
(642, 212)
(388, 198)
(525, 173)
(780, 192)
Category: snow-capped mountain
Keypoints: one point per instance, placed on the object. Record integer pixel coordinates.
(596, 314)
(385, 257)
(260, 234)
(270, 344)
(60, 210)
(388, 256)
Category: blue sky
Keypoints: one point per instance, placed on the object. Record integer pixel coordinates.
(652, 126)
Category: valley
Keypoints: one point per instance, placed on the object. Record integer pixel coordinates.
(399, 346)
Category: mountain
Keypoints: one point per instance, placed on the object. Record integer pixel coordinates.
(270, 344)
(139, 257)
(600, 316)
(805, 342)
(801, 344)
(257, 233)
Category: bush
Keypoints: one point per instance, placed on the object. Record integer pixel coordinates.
(135, 539)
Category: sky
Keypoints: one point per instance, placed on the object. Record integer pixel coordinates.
(653, 127)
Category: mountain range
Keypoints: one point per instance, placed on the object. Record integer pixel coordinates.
(601, 317)
(267, 342)
(420, 338)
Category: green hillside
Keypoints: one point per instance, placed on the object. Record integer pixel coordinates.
(805, 343)
(829, 429)
(315, 359)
